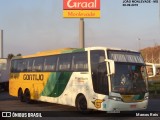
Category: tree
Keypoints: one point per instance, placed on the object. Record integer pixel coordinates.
(10, 56)
(19, 54)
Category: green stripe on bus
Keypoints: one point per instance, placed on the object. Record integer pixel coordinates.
(56, 84)
(50, 85)
(79, 50)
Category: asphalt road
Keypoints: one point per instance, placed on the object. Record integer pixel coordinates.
(9, 103)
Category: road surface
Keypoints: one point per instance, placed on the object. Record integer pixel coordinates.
(9, 103)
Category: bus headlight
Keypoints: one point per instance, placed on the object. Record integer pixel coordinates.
(115, 98)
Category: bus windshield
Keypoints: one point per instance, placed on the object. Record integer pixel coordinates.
(130, 73)
(129, 79)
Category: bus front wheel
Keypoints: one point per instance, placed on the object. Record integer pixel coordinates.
(81, 104)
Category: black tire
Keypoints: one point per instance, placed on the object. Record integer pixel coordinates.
(20, 95)
(81, 104)
(27, 96)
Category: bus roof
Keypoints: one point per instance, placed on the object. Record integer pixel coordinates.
(66, 50)
(50, 52)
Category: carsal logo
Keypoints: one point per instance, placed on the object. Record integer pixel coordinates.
(97, 103)
(81, 5)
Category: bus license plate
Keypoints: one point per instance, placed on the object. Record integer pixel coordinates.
(133, 106)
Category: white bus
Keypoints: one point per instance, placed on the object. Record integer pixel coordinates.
(4, 74)
(153, 69)
(97, 78)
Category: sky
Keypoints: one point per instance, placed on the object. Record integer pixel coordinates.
(31, 26)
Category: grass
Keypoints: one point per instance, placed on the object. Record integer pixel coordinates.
(154, 87)
(155, 78)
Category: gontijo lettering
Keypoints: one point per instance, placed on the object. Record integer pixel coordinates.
(33, 77)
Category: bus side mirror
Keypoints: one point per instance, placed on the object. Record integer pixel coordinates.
(111, 65)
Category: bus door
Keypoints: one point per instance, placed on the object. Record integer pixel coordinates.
(99, 72)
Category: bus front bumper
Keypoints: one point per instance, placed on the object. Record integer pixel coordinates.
(123, 106)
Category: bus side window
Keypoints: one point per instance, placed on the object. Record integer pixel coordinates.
(38, 64)
(24, 65)
(14, 66)
(64, 63)
(20, 66)
(50, 63)
(80, 62)
(29, 65)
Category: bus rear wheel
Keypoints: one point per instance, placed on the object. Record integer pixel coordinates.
(20, 95)
(27, 96)
(81, 104)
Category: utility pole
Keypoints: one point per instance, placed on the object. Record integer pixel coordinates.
(159, 57)
(81, 33)
(159, 10)
(1, 44)
(139, 43)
